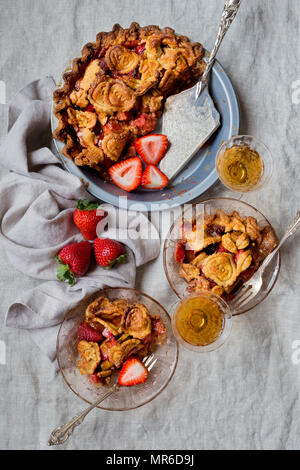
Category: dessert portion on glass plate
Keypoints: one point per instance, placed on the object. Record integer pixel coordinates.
(113, 331)
(115, 93)
(220, 251)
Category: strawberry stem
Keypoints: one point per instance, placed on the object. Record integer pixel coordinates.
(121, 260)
(86, 205)
(64, 272)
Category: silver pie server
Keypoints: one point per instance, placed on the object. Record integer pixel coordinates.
(190, 117)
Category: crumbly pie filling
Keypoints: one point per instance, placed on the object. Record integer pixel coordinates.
(128, 329)
(222, 251)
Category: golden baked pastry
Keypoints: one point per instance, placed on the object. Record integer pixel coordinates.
(109, 314)
(222, 251)
(221, 268)
(138, 322)
(116, 91)
(112, 331)
(90, 357)
(118, 353)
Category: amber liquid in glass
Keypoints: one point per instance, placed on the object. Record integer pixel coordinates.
(199, 320)
(240, 167)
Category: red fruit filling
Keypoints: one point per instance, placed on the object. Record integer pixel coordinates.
(179, 252)
(144, 124)
(87, 333)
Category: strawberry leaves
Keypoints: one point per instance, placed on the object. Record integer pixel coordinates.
(64, 273)
(86, 205)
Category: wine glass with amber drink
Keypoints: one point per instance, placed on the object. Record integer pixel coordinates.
(201, 322)
(244, 163)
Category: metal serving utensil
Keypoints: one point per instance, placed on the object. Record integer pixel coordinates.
(190, 117)
(62, 433)
(251, 288)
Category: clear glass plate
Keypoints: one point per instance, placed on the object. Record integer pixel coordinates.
(126, 398)
(228, 205)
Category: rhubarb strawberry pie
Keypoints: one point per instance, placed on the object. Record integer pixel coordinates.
(113, 97)
(219, 251)
(114, 332)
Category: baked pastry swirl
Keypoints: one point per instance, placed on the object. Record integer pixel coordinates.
(222, 251)
(221, 268)
(115, 91)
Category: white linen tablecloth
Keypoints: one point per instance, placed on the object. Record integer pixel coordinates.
(246, 395)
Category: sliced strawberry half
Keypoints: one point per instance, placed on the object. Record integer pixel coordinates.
(127, 174)
(153, 178)
(152, 148)
(133, 372)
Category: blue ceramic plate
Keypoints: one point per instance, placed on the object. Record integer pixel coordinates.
(195, 179)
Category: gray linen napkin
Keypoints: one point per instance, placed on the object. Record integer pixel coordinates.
(37, 201)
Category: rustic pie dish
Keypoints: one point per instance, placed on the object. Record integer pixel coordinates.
(114, 93)
(232, 240)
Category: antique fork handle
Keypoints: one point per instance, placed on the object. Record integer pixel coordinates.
(229, 13)
(62, 433)
(290, 231)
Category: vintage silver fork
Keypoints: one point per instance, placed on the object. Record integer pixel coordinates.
(251, 288)
(62, 433)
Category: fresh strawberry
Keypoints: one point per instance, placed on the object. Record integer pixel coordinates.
(179, 253)
(73, 260)
(127, 173)
(140, 49)
(109, 252)
(86, 218)
(88, 333)
(133, 372)
(107, 334)
(152, 148)
(153, 178)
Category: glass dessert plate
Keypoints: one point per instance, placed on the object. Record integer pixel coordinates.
(126, 398)
(171, 267)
